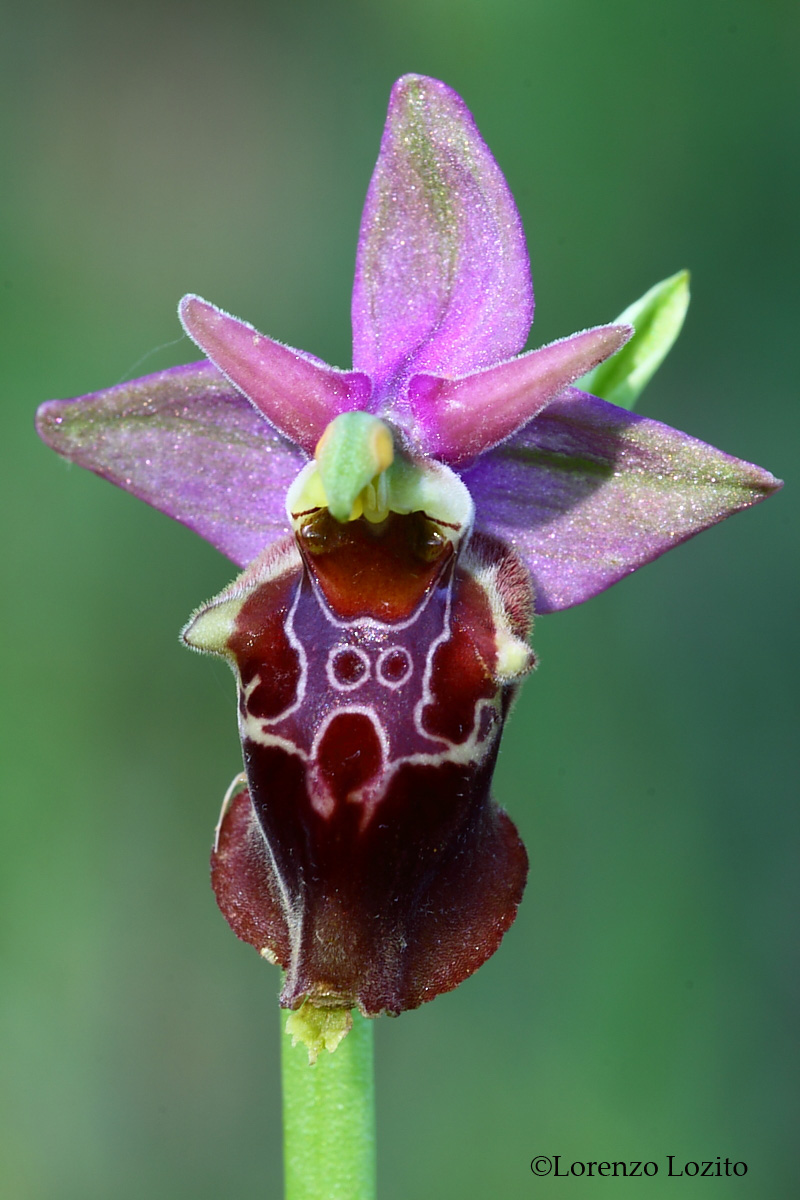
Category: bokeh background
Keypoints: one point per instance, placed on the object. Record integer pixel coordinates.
(643, 1004)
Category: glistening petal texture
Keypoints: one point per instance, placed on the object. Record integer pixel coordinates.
(457, 419)
(442, 276)
(189, 444)
(588, 492)
(297, 394)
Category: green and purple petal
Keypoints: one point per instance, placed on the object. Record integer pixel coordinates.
(588, 492)
(189, 444)
(297, 393)
(442, 276)
(458, 419)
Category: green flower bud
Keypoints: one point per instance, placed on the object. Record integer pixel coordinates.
(657, 318)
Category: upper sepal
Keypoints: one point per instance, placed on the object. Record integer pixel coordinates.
(588, 492)
(442, 276)
(297, 393)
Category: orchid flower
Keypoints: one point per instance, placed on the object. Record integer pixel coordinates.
(399, 524)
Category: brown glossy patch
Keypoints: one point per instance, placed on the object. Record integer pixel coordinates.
(462, 931)
(367, 570)
(349, 754)
(261, 646)
(463, 665)
(384, 917)
(415, 903)
(244, 883)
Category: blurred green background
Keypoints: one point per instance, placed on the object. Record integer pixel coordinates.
(643, 1004)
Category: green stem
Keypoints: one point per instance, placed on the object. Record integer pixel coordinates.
(329, 1118)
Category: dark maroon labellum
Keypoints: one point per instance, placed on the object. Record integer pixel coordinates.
(375, 670)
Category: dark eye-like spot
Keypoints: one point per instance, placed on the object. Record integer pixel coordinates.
(394, 666)
(347, 667)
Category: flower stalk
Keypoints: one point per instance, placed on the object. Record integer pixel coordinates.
(329, 1115)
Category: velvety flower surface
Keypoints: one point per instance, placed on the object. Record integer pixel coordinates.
(380, 629)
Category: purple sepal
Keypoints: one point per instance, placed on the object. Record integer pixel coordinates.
(588, 492)
(188, 443)
(296, 392)
(457, 419)
(442, 276)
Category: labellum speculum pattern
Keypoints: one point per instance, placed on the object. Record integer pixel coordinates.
(377, 646)
(376, 661)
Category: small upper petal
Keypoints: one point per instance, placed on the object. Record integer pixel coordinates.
(442, 276)
(588, 492)
(188, 443)
(299, 395)
(457, 419)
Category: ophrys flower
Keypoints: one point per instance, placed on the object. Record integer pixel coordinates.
(381, 627)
